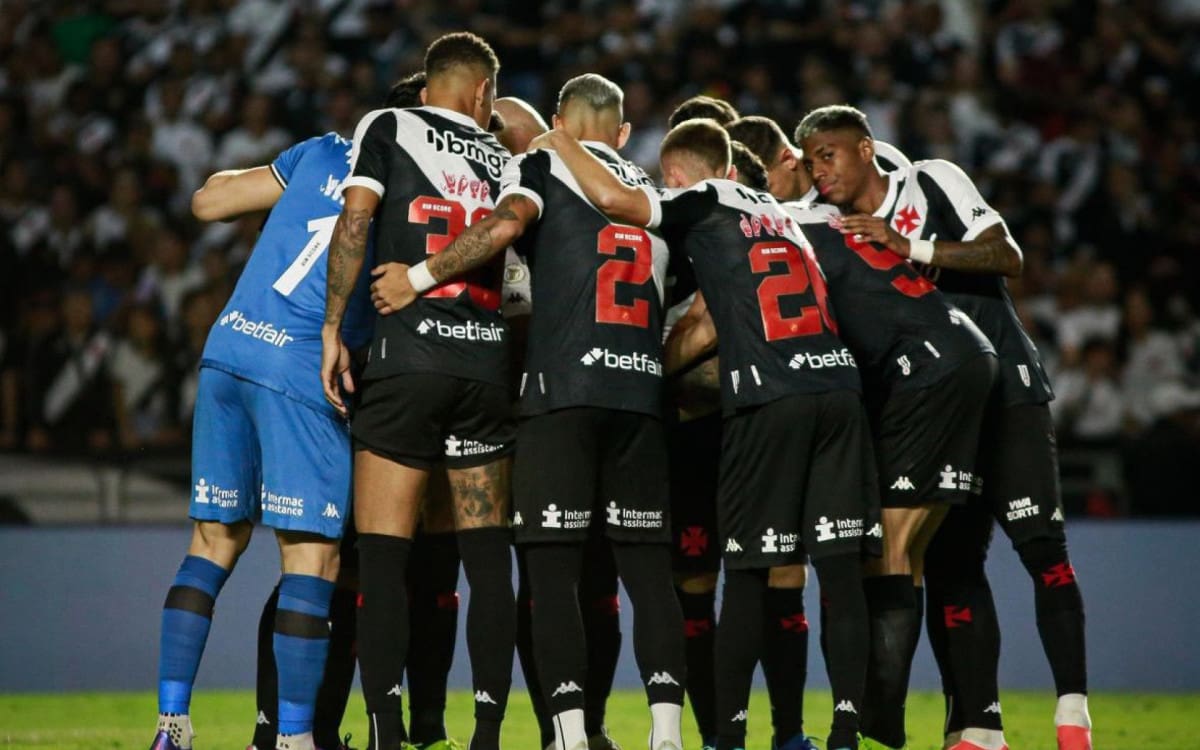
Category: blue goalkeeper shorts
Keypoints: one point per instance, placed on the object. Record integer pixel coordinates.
(260, 455)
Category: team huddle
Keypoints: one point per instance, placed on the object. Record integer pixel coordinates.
(790, 353)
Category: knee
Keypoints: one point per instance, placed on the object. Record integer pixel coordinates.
(788, 576)
(220, 543)
(308, 555)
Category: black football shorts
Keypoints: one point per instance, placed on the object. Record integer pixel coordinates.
(694, 450)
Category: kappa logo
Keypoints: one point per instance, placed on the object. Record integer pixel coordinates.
(825, 530)
(905, 365)
(1057, 515)
(740, 715)
(471, 150)
(845, 706)
(993, 709)
(517, 519)
(661, 678)
(395, 690)
(903, 483)
(836, 358)
(202, 492)
(552, 517)
(331, 511)
(1023, 371)
(614, 514)
(566, 687)
(481, 696)
(876, 531)
(262, 718)
(731, 545)
(978, 211)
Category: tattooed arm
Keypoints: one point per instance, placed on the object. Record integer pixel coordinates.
(392, 289)
(993, 251)
(347, 249)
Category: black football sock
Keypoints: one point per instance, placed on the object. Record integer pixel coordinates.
(700, 630)
(600, 606)
(491, 627)
(433, 580)
(785, 660)
(739, 645)
(338, 679)
(266, 682)
(657, 620)
(935, 627)
(558, 639)
(1060, 613)
(895, 629)
(383, 634)
(846, 633)
(533, 683)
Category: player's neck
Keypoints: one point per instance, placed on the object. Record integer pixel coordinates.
(464, 104)
(873, 196)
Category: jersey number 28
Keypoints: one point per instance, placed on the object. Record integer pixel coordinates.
(800, 272)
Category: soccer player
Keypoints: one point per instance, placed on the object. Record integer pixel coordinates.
(702, 106)
(796, 455)
(435, 386)
(968, 260)
(592, 446)
(265, 441)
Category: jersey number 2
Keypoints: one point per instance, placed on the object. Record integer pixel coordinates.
(636, 272)
(801, 272)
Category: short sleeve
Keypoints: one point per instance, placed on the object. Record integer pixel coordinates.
(526, 175)
(672, 210)
(370, 154)
(968, 205)
(285, 164)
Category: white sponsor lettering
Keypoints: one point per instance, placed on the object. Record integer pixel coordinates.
(773, 542)
(634, 519)
(447, 142)
(261, 330)
(469, 331)
(838, 358)
(464, 447)
(1023, 507)
(207, 494)
(637, 362)
(952, 479)
(283, 505)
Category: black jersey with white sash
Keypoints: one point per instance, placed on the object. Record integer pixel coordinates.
(764, 289)
(903, 332)
(934, 200)
(436, 172)
(595, 337)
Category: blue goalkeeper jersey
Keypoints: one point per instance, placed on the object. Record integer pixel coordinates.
(270, 330)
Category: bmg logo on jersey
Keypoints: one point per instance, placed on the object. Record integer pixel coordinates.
(447, 142)
(469, 331)
(262, 330)
(637, 362)
(838, 358)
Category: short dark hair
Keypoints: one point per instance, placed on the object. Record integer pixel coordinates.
(750, 169)
(406, 92)
(762, 135)
(703, 106)
(496, 123)
(833, 117)
(702, 137)
(596, 91)
(460, 48)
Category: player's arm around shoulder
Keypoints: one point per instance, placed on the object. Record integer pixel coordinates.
(397, 285)
(986, 245)
(620, 202)
(230, 193)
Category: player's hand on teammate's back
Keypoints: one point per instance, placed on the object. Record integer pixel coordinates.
(391, 290)
(335, 366)
(874, 229)
(545, 141)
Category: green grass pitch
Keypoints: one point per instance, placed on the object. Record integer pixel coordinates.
(94, 721)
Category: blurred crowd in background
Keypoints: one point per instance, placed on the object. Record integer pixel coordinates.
(1076, 118)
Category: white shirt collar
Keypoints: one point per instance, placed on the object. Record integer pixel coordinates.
(603, 147)
(450, 114)
(890, 199)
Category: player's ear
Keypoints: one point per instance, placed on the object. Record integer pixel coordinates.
(424, 95)
(481, 91)
(788, 157)
(623, 135)
(866, 149)
(732, 175)
(556, 122)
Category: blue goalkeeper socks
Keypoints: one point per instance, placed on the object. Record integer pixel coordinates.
(186, 618)
(301, 645)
